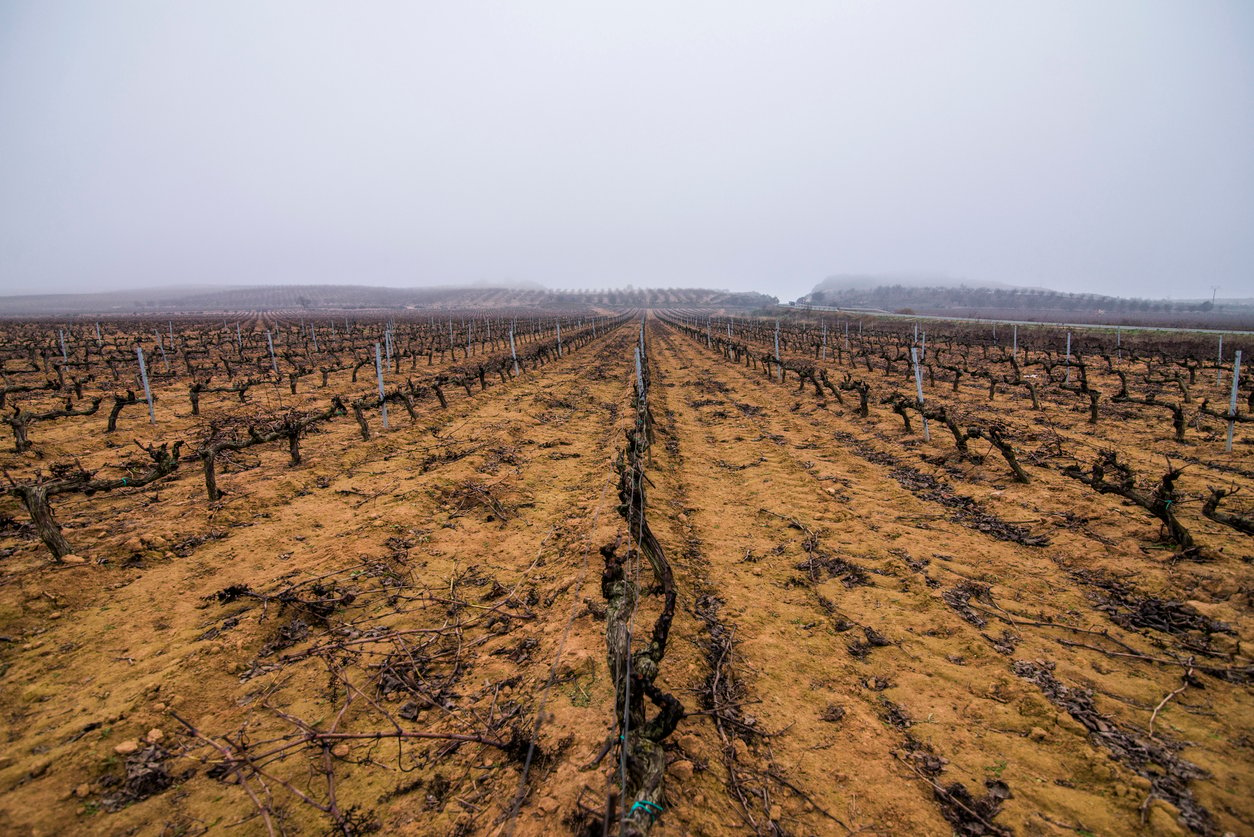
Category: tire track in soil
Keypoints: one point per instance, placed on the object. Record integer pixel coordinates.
(724, 754)
(933, 653)
(785, 675)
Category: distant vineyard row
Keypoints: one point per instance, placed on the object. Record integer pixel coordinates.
(351, 297)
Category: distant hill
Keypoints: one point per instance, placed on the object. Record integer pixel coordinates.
(213, 300)
(869, 281)
(1035, 304)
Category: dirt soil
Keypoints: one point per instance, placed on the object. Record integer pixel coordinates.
(872, 635)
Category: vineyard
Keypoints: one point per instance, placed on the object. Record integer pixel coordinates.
(504, 572)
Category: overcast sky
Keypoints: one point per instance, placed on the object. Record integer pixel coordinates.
(1086, 146)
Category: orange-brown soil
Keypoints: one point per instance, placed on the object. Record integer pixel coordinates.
(850, 647)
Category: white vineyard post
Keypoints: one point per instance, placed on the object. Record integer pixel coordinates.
(99, 339)
(1014, 351)
(378, 370)
(512, 352)
(239, 341)
(824, 341)
(1219, 371)
(559, 338)
(64, 358)
(1119, 343)
(1232, 403)
(778, 361)
(274, 363)
(918, 387)
(143, 376)
(1068, 359)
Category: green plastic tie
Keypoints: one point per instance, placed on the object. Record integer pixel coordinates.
(651, 808)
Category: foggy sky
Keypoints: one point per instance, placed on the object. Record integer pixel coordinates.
(1084, 146)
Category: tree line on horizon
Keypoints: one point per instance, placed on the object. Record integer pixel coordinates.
(1022, 299)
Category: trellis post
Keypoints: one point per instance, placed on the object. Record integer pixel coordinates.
(143, 376)
(1232, 403)
(918, 387)
(378, 369)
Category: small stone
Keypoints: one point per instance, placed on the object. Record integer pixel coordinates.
(775, 813)
(1038, 734)
(340, 751)
(127, 747)
(159, 707)
(682, 770)
(83, 790)
(133, 545)
(154, 735)
(548, 805)
(56, 614)
(73, 559)
(690, 743)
